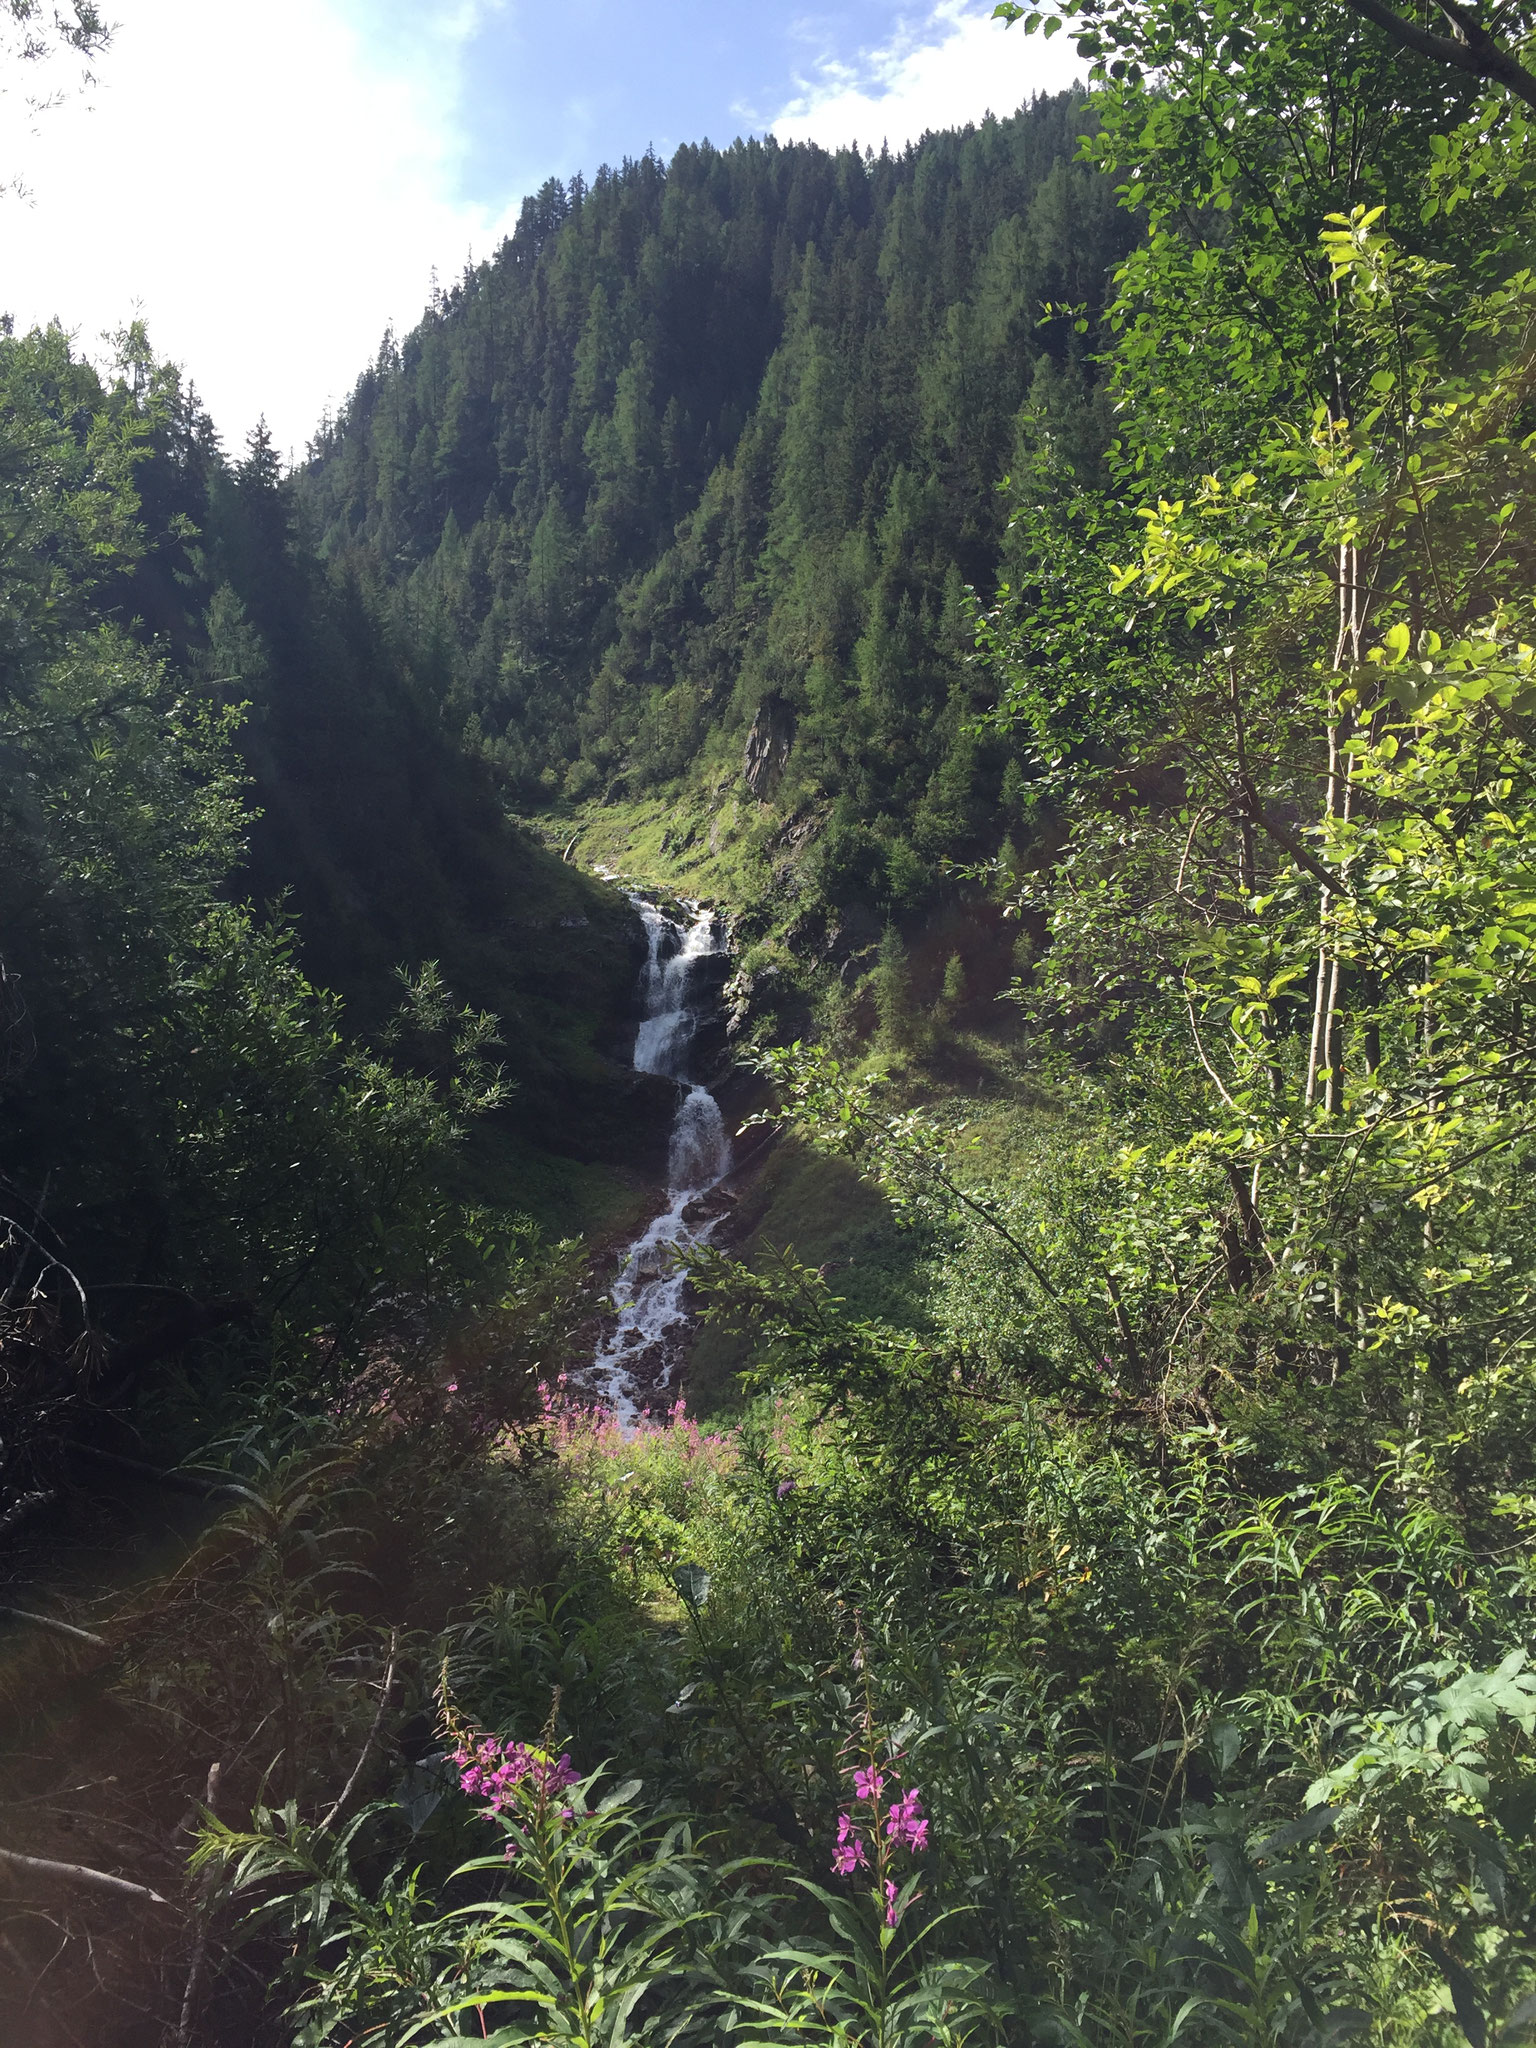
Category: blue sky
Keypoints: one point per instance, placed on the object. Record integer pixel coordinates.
(617, 79)
(270, 186)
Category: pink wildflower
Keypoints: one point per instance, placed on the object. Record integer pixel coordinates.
(850, 1854)
(491, 1769)
(555, 1776)
(890, 1903)
(906, 1823)
(868, 1784)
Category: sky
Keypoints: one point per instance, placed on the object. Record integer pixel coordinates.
(270, 187)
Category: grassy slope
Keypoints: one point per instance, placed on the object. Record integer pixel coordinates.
(698, 839)
(821, 1212)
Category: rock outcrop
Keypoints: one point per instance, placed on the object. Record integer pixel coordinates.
(767, 750)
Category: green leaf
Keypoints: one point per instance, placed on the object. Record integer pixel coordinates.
(1306, 1828)
(692, 1583)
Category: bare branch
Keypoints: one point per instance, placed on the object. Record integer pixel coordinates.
(373, 1734)
(64, 1628)
(79, 1874)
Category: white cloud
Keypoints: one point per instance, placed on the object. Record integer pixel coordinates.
(950, 68)
(268, 186)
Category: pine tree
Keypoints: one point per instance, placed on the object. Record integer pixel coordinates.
(952, 1001)
(900, 1023)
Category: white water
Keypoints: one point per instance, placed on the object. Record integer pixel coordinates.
(648, 1293)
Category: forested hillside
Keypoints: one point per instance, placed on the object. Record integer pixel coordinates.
(1097, 1611)
(267, 943)
(721, 441)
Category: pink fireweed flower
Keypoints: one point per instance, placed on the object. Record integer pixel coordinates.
(868, 1784)
(850, 1854)
(906, 1823)
(554, 1775)
(491, 1769)
(890, 1904)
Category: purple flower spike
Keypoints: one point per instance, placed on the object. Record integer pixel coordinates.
(906, 1823)
(850, 1854)
(492, 1768)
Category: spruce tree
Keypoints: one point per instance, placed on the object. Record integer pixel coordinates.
(952, 1001)
(900, 1023)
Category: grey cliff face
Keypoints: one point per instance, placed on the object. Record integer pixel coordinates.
(767, 750)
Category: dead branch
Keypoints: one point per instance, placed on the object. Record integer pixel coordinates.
(78, 1874)
(373, 1734)
(63, 1628)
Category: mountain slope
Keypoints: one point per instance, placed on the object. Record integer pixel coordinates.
(711, 450)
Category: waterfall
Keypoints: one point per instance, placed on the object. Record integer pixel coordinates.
(648, 1293)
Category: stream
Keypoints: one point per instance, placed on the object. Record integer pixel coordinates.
(640, 1355)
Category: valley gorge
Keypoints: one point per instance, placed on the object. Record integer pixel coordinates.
(764, 1105)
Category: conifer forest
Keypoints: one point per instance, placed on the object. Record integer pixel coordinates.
(767, 1155)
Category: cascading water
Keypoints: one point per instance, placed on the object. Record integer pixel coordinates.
(648, 1293)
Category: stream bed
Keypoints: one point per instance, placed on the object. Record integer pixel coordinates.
(638, 1356)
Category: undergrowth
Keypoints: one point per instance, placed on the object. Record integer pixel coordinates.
(1194, 1757)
